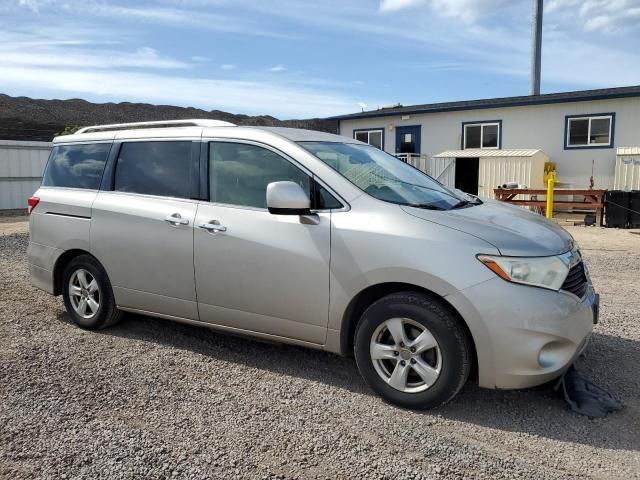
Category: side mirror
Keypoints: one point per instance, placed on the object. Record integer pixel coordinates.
(287, 198)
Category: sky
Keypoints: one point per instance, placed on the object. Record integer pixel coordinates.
(308, 58)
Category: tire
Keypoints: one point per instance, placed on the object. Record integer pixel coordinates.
(431, 375)
(85, 279)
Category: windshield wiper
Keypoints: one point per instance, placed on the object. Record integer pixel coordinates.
(425, 206)
(464, 203)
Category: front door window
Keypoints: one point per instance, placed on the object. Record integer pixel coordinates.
(239, 173)
(408, 143)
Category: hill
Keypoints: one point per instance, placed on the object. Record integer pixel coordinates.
(23, 118)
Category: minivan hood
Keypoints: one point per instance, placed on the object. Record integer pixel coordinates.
(513, 230)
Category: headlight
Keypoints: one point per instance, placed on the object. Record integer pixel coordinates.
(545, 272)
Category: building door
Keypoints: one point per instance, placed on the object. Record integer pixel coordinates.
(408, 139)
(467, 172)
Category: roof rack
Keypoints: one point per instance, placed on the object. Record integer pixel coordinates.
(160, 124)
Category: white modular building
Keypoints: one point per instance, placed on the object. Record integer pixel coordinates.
(581, 132)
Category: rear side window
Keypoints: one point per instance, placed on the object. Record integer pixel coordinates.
(154, 168)
(76, 166)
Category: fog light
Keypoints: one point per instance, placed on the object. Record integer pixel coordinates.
(555, 354)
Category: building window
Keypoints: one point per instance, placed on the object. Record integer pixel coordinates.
(481, 135)
(374, 137)
(589, 131)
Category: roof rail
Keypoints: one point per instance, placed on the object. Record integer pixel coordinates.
(159, 124)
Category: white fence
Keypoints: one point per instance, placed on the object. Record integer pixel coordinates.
(416, 160)
(21, 168)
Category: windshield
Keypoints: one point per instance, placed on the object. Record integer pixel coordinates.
(385, 177)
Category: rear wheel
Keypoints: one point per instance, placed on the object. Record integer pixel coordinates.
(87, 293)
(412, 350)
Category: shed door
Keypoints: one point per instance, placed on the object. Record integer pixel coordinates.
(467, 172)
(443, 170)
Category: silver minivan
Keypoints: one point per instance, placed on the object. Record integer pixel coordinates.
(311, 239)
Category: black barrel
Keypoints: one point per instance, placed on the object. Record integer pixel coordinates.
(634, 206)
(616, 207)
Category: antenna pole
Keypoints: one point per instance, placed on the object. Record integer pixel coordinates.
(536, 44)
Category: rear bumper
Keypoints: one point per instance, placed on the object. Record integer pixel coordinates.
(42, 259)
(41, 278)
(524, 336)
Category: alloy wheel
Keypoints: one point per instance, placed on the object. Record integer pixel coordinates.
(84, 293)
(406, 355)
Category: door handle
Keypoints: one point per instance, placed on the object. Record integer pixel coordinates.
(176, 219)
(213, 227)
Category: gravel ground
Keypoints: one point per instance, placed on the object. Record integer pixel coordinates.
(159, 399)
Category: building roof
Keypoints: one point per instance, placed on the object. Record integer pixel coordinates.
(478, 152)
(563, 97)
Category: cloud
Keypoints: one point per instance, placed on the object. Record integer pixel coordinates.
(227, 66)
(396, 5)
(200, 59)
(591, 43)
(64, 64)
(494, 35)
(33, 5)
(469, 11)
(252, 97)
(583, 43)
(613, 16)
(600, 16)
(56, 54)
(173, 16)
(571, 62)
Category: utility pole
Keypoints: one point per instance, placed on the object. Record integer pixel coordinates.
(536, 47)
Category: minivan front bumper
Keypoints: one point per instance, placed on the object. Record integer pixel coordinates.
(524, 336)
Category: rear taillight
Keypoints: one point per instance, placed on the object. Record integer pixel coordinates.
(32, 202)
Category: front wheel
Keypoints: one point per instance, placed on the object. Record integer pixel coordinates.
(87, 292)
(412, 350)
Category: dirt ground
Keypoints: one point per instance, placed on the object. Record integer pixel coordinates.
(606, 239)
(14, 224)
(156, 399)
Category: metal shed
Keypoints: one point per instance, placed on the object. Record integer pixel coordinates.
(21, 168)
(493, 167)
(627, 176)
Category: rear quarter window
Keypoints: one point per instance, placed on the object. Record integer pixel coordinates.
(76, 166)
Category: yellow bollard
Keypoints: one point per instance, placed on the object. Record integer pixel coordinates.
(550, 183)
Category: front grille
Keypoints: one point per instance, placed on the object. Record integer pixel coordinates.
(576, 281)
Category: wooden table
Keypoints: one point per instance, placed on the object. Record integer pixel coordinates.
(593, 199)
